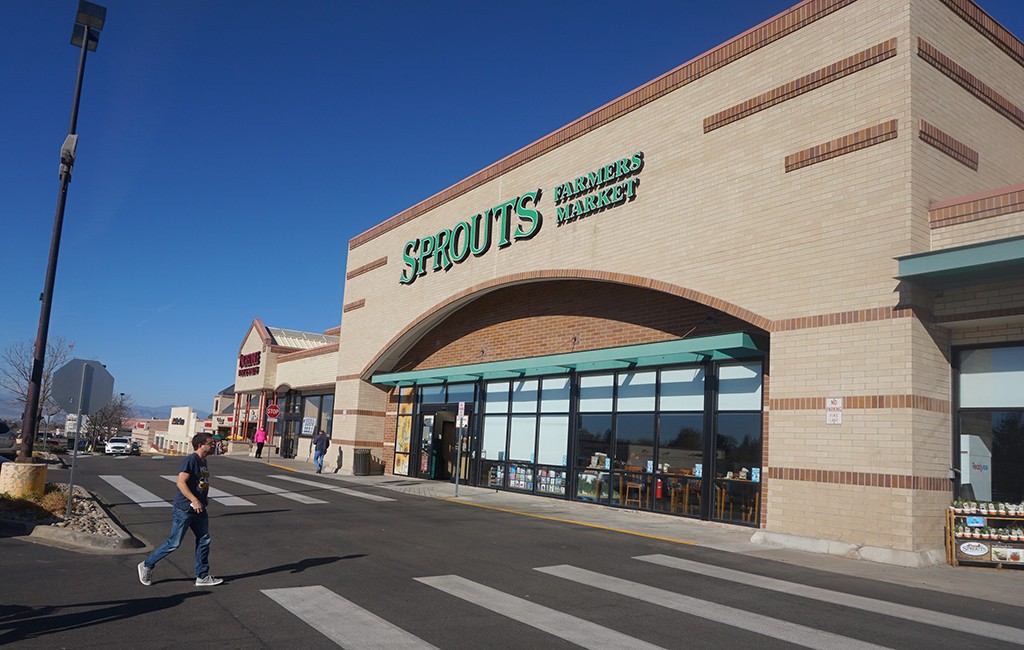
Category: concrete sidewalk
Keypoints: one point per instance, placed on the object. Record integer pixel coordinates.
(1003, 586)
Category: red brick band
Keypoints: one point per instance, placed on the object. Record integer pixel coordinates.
(358, 443)
(862, 402)
(841, 318)
(973, 15)
(1004, 201)
(355, 304)
(767, 33)
(970, 83)
(368, 413)
(366, 268)
(948, 145)
(844, 145)
(868, 479)
(804, 84)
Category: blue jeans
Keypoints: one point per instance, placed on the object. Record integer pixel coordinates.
(318, 459)
(199, 524)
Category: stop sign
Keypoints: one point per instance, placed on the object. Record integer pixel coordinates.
(82, 386)
(273, 410)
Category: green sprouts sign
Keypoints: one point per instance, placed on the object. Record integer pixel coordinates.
(606, 187)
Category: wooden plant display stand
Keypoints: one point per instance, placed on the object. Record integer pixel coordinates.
(983, 537)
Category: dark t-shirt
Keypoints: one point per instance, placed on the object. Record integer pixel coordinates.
(322, 442)
(198, 481)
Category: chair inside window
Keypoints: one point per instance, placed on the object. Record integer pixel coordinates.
(634, 489)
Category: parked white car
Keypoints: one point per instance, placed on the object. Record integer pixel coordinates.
(118, 446)
(8, 444)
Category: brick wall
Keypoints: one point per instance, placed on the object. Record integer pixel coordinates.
(562, 316)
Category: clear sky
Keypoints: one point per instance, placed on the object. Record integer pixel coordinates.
(230, 149)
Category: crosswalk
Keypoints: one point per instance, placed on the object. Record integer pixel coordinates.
(351, 626)
(147, 499)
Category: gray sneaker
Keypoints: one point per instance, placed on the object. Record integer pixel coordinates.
(208, 581)
(145, 574)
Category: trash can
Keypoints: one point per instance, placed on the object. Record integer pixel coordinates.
(361, 462)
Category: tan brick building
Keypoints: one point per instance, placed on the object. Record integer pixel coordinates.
(779, 286)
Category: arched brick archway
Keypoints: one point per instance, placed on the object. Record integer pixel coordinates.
(547, 312)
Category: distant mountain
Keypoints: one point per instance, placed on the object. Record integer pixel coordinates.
(162, 412)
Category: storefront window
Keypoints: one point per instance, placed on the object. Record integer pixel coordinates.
(327, 414)
(310, 415)
(638, 439)
(403, 436)
(737, 483)
(497, 397)
(682, 389)
(553, 441)
(739, 387)
(594, 441)
(596, 393)
(495, 435)
(634, 441)
(636, 391)
(524, 396)
(522, 438)
(432, 394)
(991, 424)
(554, 396)
(460, 393)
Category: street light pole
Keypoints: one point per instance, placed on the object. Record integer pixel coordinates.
(88, 24)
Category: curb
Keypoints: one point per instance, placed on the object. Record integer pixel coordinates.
(73, 539)
(122, 541)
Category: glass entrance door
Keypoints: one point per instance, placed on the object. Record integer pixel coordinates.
(438, 446)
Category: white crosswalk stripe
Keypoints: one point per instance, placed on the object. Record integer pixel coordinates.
(219, 496)
(351, 493)
(565, 626)
(351, 626)
(136, 493)
(344, 622)
(758, 623)
(917, 614)
(301, 498)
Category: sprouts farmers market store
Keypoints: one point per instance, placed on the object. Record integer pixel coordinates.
(781, 286)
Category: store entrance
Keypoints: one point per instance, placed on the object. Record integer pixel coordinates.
(437, 446)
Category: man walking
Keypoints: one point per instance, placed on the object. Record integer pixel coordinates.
(321, 442)
(189, 514)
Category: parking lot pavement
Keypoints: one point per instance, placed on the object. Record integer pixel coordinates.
(983, 583)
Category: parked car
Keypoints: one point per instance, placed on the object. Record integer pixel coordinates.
(8, 444)
(118, 446)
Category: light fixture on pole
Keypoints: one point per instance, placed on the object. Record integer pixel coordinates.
(86, 35)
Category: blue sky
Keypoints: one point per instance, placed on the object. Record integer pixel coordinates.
(229, 150)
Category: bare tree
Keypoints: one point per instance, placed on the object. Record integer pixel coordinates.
(16, 372)
(113, 418)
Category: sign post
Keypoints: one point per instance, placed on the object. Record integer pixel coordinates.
(460, 427)
(85, 387)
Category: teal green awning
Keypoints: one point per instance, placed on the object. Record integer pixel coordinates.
(988, 262)
(736, 345)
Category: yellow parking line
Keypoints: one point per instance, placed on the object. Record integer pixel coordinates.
(290, 469)
(571, 521)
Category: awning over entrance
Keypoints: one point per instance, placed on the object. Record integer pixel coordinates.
(965, 265)
(736, 345)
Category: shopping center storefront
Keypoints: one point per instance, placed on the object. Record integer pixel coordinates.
(572, 426)
(293, 372)
(780, 286)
